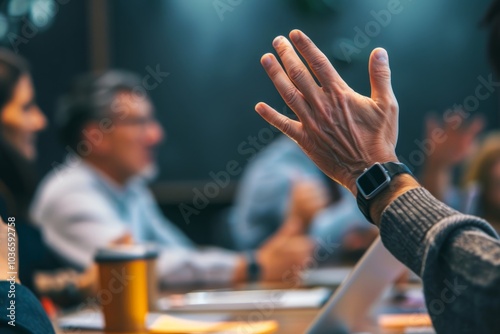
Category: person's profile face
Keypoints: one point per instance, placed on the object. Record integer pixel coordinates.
(134, 134)
(21, 119)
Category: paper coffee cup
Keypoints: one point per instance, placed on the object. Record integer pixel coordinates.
(123, 290)
(152, 253)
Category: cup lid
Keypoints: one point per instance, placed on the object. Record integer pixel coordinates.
(126, 253)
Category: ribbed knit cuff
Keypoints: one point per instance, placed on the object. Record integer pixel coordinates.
(405, 223)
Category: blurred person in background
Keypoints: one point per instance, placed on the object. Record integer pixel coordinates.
(100, 193)
(40, 269)
(479, 190)
(280, 177)
(450, 142)
(482, 179)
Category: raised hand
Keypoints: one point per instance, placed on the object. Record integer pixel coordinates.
(342, 131)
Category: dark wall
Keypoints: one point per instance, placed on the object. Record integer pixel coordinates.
(206, 103)
(437, 54)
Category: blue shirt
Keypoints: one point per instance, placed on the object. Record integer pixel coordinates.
(80, 210)
(263, 197)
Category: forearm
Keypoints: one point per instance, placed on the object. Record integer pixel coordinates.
(240, 270)
(462, 288)
(399, 185)
(177, 266)
(457, 256)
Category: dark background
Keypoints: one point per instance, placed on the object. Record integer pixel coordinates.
(437, 52)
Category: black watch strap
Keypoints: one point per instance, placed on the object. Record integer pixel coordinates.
(253, 267)
(393, 169)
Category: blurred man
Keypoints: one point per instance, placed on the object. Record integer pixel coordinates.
(100, 194)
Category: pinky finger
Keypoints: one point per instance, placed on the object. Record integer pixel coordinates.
(288, 126)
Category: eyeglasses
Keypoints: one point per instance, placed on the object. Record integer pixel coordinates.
(139, 122)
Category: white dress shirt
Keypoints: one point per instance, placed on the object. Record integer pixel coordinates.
(80, 210)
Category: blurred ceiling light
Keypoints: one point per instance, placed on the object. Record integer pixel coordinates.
(18, 7)
(42, 12)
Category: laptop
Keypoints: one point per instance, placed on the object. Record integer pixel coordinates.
(231, 300)
(353, 299)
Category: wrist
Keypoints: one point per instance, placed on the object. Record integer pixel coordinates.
(254, 270)
(248, 267)
(240, 271)
(355, 173)
(351, 184)
(399, 185)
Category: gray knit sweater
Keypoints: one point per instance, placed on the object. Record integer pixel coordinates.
(456, 255)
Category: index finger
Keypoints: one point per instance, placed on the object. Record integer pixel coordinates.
(317, 61)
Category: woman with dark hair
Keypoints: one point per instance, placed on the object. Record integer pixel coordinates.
(20, 121)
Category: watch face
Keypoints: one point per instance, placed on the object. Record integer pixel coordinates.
(373, 180)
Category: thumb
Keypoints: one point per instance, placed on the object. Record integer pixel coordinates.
(380, 76)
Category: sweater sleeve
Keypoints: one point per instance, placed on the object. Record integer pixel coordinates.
(456, 255)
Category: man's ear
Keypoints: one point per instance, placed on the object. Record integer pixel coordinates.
(96, 139)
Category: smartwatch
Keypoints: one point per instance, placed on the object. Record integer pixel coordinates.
(375, 179)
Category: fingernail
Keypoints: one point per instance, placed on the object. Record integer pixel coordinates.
(266, 60)
(259, 107)
(277, 41)
(295, 36)
(381, 55)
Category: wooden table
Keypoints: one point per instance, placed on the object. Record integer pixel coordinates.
(294, 321)
(290, 321)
